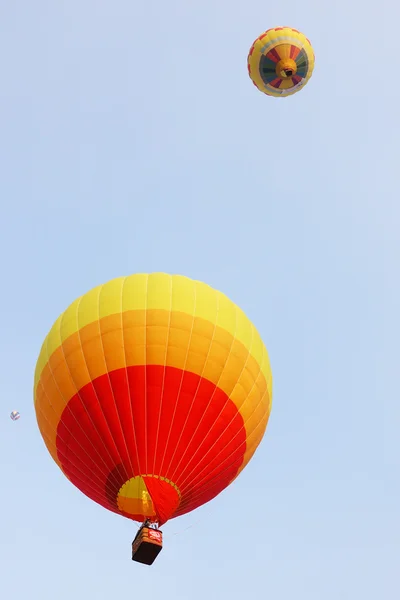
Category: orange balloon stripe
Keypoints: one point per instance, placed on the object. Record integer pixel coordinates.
(223, 440)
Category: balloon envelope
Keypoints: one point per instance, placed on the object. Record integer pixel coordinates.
(15, 415)
(152, 393)
(281, 61)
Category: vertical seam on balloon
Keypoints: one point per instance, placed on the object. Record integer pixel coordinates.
(181, 381)
(90, 382)
(200, 492)
(182, 485)
(234, 338)
(195, 397)
(213, 393)
(66, 406)
(268, 377)
(109, 377)
(197, 494)
(95, 491)
(218, 475)
(59, 453)
(111, 388)
(164, 371)
(145, 371)
(127, 378)
(251, 448)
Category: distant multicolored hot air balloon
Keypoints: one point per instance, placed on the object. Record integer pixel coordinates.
(15, 415)
(152, 393)
(281, 61)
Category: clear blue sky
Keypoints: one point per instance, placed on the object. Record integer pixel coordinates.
(132, 140)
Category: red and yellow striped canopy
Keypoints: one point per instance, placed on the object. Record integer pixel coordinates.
(152, 393)
(281, 61)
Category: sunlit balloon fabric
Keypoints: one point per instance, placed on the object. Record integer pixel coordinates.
(152, 393)
(281, 61)
(15, 415)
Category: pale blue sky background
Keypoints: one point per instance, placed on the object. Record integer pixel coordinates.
(132, 140)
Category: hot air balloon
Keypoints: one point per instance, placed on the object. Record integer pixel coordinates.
(152, 393)
(281, 61)
(15, 415)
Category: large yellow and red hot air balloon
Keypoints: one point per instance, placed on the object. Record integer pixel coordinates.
(281, 61)
(152, 393)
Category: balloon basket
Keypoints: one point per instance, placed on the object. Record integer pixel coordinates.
(147, 545)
